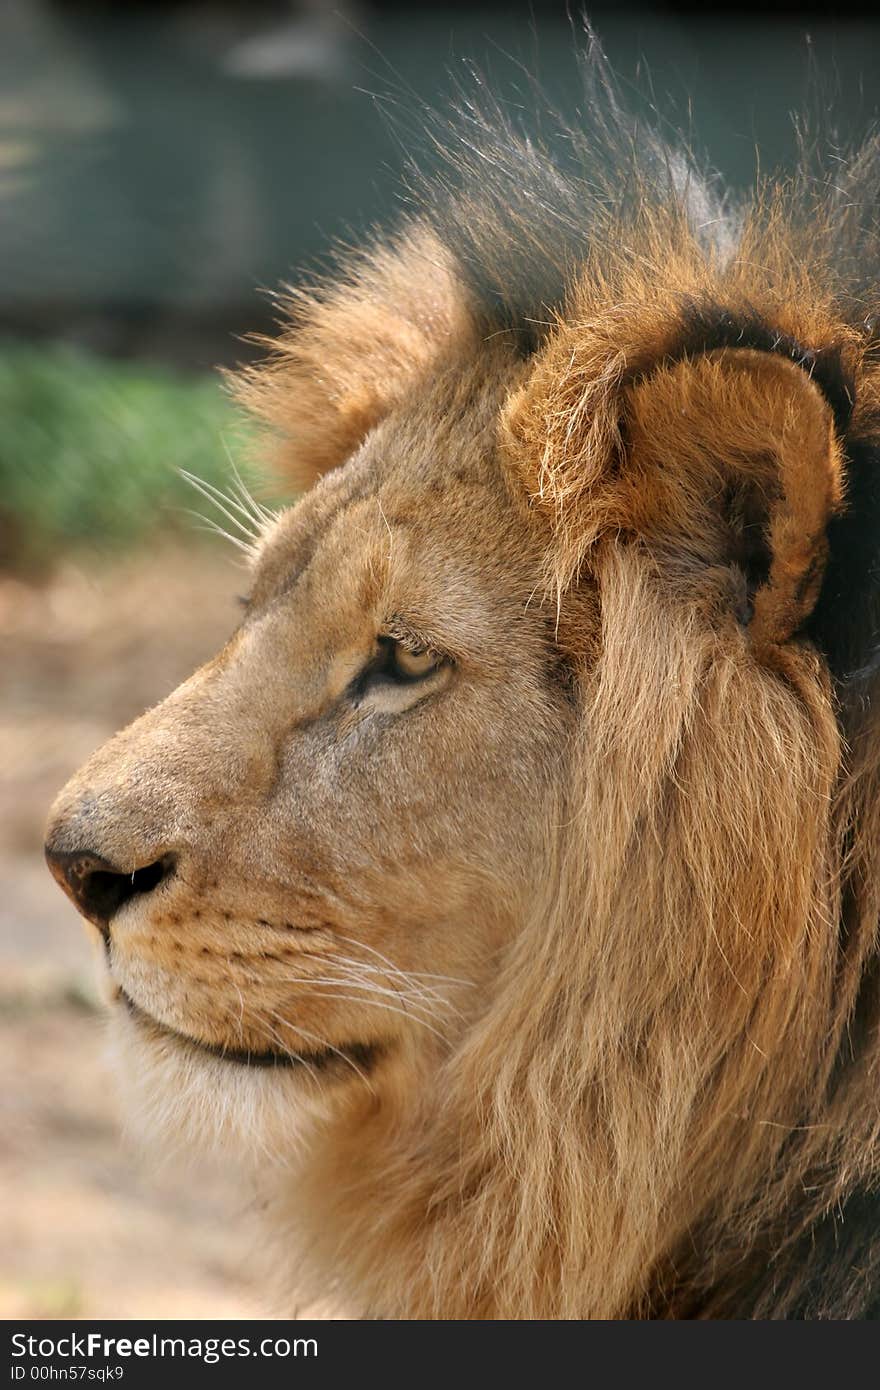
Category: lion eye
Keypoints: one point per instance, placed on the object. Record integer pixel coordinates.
(397, 663)
(411, 663)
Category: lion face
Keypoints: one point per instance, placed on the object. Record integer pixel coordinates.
(297, 862)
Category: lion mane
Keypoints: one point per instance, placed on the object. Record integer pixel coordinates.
(666, 1102)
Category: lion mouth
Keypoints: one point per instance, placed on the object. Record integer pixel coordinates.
(360, 1056)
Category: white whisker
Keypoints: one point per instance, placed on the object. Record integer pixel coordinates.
(375, 1004)
(262, 515)
(282, 1046)
(322, 1044)
(414, 976)
(217, 530)
(362, 945)
(369, 988)
(222, 502)
(429, 999)
(218, 495)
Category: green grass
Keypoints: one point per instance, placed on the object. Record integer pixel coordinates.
(90, 451)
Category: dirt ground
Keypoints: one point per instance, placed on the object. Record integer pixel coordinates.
(86, 1228)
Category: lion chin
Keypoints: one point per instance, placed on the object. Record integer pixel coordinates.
(186, 1103)
(505, 893)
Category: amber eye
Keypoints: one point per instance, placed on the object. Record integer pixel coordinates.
(411, 663)
(397, 663)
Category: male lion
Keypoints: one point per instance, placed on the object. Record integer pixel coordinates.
(510, 879)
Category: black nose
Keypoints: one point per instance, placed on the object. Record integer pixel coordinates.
(98, 889)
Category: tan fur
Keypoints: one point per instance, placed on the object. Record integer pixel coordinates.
(585, 890)
(321, 390)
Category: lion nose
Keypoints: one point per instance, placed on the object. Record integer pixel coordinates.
(97, 888)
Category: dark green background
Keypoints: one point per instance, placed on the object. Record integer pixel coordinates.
(150, 184)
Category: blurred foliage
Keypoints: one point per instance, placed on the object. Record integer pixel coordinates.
(91, 451)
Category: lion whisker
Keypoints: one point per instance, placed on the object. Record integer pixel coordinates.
(209, 525)
(403, 985)
(372, 989)
(241, 1011)
(258, 511)
(223, 502)
(282, 1045)
(321, 1043)
(425, 975)
(414, 991)
(376, 1004)
(406, 974)
(263, 516)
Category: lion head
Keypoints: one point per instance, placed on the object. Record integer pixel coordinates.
(509, 880)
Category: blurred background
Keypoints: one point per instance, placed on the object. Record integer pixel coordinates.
(161, 166)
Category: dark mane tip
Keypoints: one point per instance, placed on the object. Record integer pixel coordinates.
(707, 326)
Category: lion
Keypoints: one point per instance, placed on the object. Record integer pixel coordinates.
(506, 890)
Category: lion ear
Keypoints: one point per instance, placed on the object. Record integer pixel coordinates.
(351, 349)
(780, 448)
(725, 460)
